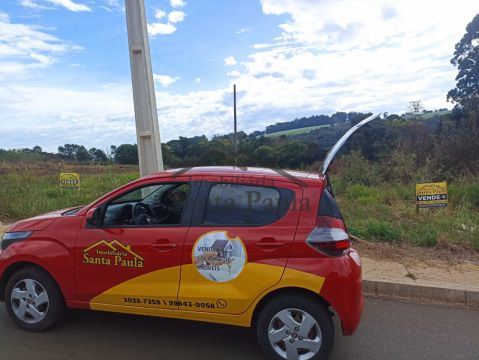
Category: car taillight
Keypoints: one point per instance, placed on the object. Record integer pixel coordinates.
(330, 235)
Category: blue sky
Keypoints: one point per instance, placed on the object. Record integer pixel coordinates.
(65, 76)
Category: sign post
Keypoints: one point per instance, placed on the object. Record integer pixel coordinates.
(431, 195)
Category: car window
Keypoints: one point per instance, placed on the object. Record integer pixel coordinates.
(242, 205)
(138, 194)
(151, 205)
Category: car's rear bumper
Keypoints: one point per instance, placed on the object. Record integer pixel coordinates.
(342, 289)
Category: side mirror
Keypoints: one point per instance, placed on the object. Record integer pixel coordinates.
(93, 217)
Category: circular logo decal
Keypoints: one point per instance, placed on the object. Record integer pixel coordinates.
(218, 257)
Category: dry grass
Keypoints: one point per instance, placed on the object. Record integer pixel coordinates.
(50, 167)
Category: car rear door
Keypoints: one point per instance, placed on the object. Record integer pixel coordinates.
(238, 244)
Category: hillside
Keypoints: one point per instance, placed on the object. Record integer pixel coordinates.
(296, 131)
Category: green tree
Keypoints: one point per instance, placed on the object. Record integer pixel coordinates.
(111, 156)
(126, 154)
(415, 110)
(97, 156)
(265, 156)
(466, 59)
(292, 155)
(169, 158)
(74, 152)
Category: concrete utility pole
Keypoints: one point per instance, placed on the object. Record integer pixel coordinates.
(146, 116)
(235, 125)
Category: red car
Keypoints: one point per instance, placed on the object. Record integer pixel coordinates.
(247, 247)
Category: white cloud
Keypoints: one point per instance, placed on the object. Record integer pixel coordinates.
(168, 27)
(349, 55)
(160, 14)
(113, 5)
(165, 80)
(177, 3)
(230, 61)
(51, 116)
(24, 48)
(234, 73)
(198, 80)
(176, 16)
(67, 4)
(32, 4)
(70, 5)
(194, 113)
(243, 30)
(155, 29)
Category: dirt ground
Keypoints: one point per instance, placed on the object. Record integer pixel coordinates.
(440, 266)
(443, 253)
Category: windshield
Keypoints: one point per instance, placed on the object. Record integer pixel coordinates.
(144, 194)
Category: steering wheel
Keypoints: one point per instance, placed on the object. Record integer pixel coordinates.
(142, 214)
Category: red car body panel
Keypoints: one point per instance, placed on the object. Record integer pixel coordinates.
(64, 245)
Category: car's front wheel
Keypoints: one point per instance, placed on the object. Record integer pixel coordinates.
(33, 299)
(295, 327)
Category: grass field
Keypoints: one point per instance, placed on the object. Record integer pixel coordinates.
(382, 213)
(387, 213)
(296, 131)
(32, 192)
(427, 116)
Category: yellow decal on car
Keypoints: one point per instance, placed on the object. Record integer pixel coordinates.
(112, 253)
(138, 296)
(218, 257)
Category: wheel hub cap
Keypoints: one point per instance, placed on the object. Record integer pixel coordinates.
(294, 334)
(29, 301)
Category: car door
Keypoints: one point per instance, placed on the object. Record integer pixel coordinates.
(238, 243)
(121, 263)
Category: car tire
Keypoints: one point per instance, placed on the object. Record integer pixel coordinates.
(307, 329)
(33, 299)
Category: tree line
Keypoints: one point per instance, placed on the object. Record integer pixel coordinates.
(444, 143)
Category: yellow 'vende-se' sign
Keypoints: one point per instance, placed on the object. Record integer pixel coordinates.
(69, 181)
(431, 195)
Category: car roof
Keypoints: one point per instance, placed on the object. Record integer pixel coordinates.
(247, 172)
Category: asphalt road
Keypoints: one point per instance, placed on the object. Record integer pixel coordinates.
(389, 330)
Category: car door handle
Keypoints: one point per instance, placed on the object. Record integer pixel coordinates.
(270, 244)
(164, 246)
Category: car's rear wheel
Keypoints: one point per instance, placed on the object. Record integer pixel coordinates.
(33, 299)
(295, 327)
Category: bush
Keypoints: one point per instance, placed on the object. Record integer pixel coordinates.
(355, 169)
(399, 167)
